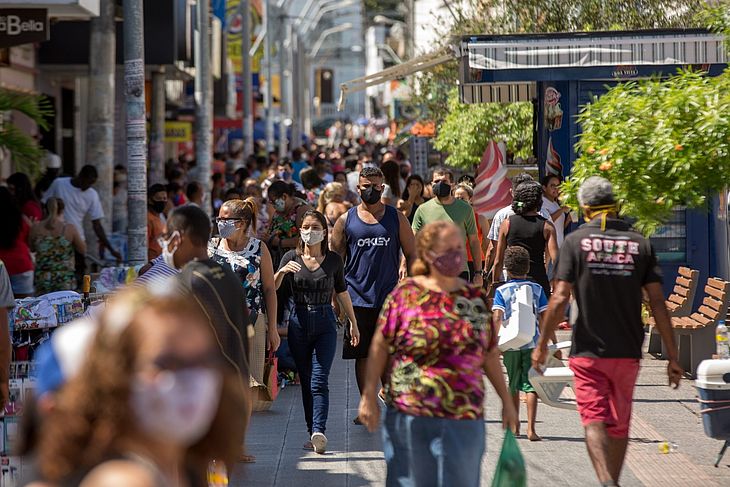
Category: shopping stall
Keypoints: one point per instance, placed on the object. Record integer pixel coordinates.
(562, 72)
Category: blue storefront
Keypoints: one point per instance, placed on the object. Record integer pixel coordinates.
(563, 72)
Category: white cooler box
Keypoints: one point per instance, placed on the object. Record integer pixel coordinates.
(713, 385)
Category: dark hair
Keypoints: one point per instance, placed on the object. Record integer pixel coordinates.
(242, 174)
(442, 170)
(155, 188)
(527, 197)
(280, 188)
(173, 187)
(309, 179)
(371, 172)
(323, 221)
(192, 189)
(191, 221)
(517, 260)
(391, 172)
(23, 188)
(88, 172)
(296, 154)
(232, 194)
(467, 179)
(546, 179)
(413, 177)
(337, 173)
(11, 219)
(522, 177)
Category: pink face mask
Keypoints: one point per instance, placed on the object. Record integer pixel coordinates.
(449, 263)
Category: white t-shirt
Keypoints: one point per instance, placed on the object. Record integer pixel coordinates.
(502, 215)
(551, 207)
(77, 203)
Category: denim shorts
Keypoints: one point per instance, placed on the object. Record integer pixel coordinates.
(22, 283)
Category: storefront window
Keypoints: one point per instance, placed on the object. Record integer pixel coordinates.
(670, 240)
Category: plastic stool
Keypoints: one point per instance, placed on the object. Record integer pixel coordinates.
(555, 378)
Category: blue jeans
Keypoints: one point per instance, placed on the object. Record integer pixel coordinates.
(313, 341)
(425, 452)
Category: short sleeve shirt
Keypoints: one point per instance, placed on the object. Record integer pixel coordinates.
(551, 207)
(459, 212)
(607, 270)
(437, 344)
(77, 203)
(505, 296)
(315, 287)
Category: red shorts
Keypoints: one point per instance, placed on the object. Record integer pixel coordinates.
(604, 389)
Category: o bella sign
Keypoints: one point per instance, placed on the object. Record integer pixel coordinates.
(23, 26)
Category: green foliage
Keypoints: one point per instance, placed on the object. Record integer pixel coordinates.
(25, 151)
(467, 129)
(661, 143)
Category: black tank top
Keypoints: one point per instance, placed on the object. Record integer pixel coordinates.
(529, 232)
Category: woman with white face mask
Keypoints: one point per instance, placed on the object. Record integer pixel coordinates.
(152, 404)
(250, 260)
(312, 273)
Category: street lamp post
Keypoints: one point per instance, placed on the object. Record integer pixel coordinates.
(203, 101)
(269, 81)
(246, 88)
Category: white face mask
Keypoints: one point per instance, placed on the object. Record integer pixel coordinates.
(179, 405)
(167, 255)
(312, 237)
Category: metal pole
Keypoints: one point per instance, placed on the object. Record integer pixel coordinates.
(203, 102)
(100, 126)
(283, 95)
(307, 98)
(246, 75)
(269, 101)
(136, 130)
(157, 128)
(296, 94)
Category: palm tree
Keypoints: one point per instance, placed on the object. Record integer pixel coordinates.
(25, 151)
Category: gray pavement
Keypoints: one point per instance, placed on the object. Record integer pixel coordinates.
(355, 457)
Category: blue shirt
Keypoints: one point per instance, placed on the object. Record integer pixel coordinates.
(297, 167)
(373, 257)
(505, 295)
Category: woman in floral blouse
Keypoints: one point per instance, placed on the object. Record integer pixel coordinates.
(250, 260)
(436, 339)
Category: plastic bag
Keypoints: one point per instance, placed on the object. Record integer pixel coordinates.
(510, 471)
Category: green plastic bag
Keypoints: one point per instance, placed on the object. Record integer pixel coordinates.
(510, 471)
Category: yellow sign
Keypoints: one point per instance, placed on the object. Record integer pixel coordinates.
(178, 131)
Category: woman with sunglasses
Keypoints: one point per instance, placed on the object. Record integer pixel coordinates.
(250, 260)
(312, 273)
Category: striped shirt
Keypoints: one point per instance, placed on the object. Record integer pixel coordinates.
(159, 271)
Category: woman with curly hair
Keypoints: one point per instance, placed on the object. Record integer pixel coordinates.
(435, 340)
(527, 229)
(152, 403)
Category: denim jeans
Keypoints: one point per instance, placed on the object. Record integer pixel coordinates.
(432, 452)
(313, 341)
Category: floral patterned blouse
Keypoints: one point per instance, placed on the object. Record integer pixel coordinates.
(437, 344)
(246, 264)
(55, 263)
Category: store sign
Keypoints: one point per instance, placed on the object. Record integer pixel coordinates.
(178, 131)
(23, 26)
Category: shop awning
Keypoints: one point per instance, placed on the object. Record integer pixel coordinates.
(505, 67)
(402, 70)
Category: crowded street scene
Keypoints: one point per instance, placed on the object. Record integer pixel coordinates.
(401, 243)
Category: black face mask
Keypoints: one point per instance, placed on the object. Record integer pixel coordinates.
(442, 189)
(158, 206)
(370, 195)
(404, 173)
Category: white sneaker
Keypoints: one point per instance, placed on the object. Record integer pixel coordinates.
(319, 441)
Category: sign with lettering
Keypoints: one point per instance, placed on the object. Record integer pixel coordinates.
(23, 26)
(178, 131)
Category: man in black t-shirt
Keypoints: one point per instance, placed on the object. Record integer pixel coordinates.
(606, 265)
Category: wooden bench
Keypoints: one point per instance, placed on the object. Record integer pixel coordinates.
(679, 304)
(695, 334)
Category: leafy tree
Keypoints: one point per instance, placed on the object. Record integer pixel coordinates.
(25, 151)
(661, 143)
(466, 129)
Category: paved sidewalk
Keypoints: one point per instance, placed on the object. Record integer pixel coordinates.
(355, 457)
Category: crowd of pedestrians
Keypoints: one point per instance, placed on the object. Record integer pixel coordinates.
(343, 238)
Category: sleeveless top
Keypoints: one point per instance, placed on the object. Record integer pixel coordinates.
(373, 257)
(246, 264)
(55, 264)
(529, 232)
